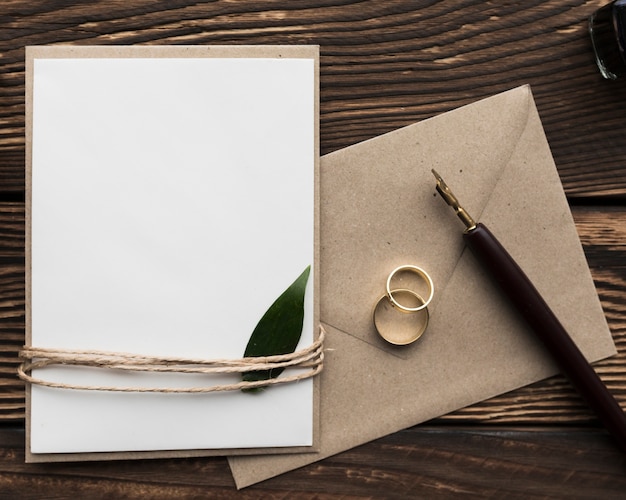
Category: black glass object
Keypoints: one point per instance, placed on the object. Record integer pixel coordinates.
(607, 27)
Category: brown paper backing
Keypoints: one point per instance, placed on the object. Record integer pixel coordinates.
(239, 51)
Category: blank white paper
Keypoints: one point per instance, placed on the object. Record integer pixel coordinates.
(172, 203)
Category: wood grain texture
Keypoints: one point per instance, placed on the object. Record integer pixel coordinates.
(383, 64)
(12, 303)
(421, 462)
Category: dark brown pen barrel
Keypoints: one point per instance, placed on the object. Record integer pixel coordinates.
(525, 297)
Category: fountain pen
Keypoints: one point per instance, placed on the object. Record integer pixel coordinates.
(523, 295)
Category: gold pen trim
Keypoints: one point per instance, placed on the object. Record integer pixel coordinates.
(447, 194)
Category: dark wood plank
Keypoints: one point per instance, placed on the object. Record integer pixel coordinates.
(421, 462)
(384, 64)
(12, 312)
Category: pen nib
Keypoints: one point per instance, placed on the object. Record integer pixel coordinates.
(448, 196)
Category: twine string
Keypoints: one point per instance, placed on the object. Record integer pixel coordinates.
(310, 358)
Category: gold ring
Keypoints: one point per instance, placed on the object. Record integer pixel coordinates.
(401, 328)
(420, 272)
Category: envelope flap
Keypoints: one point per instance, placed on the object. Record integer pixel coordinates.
(378, 210)
(529, 213)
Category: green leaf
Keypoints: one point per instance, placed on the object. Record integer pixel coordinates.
(279, 330)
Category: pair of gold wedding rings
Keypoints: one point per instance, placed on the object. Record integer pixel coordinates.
(401, 314)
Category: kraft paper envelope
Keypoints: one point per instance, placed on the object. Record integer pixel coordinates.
(160, 182)
(379, 210)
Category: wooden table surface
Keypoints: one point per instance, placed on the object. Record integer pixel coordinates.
(384, 64)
